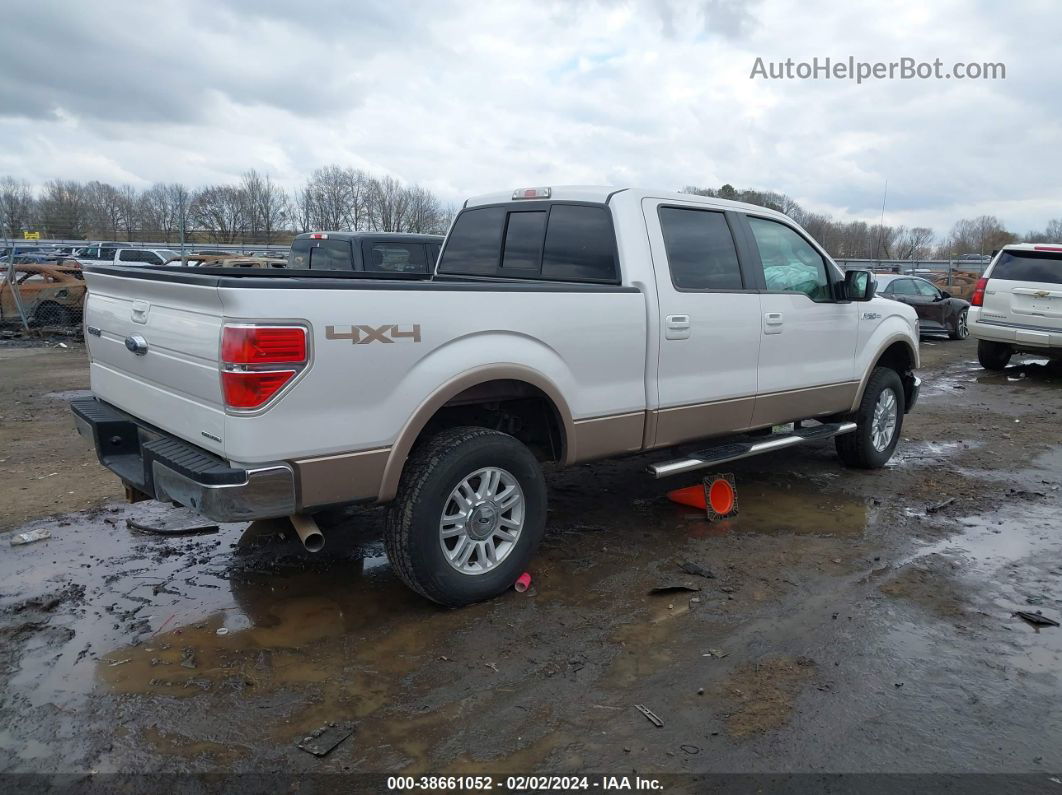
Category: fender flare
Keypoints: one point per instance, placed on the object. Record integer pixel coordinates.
(884, 346)
(396, 461)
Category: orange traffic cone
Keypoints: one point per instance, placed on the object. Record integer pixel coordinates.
(717, 495)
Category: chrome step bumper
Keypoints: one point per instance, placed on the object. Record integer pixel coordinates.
(732, 451)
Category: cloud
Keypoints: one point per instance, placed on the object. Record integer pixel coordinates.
(466, 98)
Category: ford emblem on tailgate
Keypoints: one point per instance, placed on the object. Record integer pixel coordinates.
(137, 344)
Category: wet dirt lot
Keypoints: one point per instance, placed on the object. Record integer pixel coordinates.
(857, 621)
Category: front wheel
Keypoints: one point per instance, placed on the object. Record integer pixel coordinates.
(470, 514)
(962, 328)
(993, 355)
(879, 420)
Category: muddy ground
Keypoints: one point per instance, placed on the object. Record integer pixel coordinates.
(857, 621)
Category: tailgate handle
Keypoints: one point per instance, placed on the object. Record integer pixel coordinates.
(140, 311)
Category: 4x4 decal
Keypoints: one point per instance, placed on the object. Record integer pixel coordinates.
(363, 335)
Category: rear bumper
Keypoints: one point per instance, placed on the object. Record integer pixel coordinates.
(1020, 335)
(170, 469)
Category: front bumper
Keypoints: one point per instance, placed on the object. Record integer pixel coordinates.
(170, 469)
(911, 392)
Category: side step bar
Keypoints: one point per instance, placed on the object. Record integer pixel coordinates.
(732, 451)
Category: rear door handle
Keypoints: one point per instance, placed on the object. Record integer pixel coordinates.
(772, 323)
(677, 327)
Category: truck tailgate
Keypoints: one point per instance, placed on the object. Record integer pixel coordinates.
(177, 388)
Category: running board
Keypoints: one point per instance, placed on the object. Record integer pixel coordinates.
(732, 451)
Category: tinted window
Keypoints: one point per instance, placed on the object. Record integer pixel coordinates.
(523, 240)
(433, 254)
(331, 255)
(580, 244)
(474, 243)
(790, 264)
(1029, 266)
(904, 287)
(700, 250)
(924, 288)
(299, 257)
(395, 257)
(108, 253)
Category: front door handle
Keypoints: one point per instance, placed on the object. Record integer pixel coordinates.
(677, 327)
(772, 323)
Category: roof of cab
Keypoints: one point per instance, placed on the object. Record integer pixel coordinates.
(601, 194)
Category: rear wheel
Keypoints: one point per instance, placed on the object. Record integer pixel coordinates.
(471, 512)
(879, 420)
(993, 355)
(962, 329)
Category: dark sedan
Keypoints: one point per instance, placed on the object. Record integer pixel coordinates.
(938, 312)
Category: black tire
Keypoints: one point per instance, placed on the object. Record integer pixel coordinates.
(856, 449)
(412, 532)
(993, 355)
(962, 329)
(50, 313)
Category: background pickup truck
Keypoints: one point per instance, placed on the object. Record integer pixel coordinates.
(563, 325)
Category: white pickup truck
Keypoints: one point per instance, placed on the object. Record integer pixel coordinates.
(561, 325)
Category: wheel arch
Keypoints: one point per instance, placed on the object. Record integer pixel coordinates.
(895, 353)
(471, 388)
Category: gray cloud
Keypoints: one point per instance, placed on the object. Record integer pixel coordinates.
(467, 98)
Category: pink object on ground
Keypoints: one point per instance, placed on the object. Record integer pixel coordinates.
(523, 582)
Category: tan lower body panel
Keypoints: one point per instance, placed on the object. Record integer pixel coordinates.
(606, 436)
(347, 477)
(801, 404)
(685, 423)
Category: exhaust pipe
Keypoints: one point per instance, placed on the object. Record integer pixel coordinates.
(309, 533)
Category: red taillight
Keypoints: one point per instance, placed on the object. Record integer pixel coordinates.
(1047, 248)
(251, 390)
(259, 361)
(263, 344)
(978, 297)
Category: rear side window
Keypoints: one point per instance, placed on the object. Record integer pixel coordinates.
(580, 245)
(395, 257)
(475, 243)
(1029, 266)
(700, 250)
(563, 242)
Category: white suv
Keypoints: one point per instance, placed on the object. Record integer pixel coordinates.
(1017, 305)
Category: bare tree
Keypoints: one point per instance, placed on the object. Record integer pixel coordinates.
(164, 209)
(64, 210)
(106, 209)
(221, 211)
(913, 242)
(17, 207)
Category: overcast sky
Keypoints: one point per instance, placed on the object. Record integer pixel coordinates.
(469, 97)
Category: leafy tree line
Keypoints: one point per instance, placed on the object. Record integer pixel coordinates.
(254, 210)
(860, 240)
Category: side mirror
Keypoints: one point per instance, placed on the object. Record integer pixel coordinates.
(945, 294)
(860, 285)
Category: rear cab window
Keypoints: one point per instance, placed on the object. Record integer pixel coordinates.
(391, 257)
(1044, 267)
(321, 254)
(554, 241)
